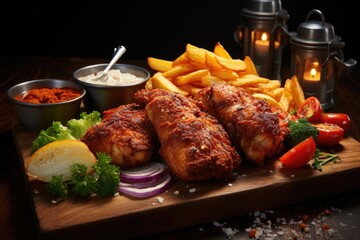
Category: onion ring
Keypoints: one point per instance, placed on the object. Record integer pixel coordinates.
(147, 192)
(146, 173)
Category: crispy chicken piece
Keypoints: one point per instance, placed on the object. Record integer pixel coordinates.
(250, 123)
(194, 144)
(125, 134)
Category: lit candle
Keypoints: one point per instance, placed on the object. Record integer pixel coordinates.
(311, 80)
(262, 48)
(312, 75)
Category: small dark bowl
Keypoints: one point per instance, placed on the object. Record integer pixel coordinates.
(103, 97)
(36, 117)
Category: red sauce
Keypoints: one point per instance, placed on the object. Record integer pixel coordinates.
(49, 95)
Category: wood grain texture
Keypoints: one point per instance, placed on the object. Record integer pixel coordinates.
(249, 192)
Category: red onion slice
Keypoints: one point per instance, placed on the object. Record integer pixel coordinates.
(143, 174)
(151, 183)
(147, 192)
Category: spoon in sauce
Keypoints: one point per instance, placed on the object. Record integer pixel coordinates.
(102, 76)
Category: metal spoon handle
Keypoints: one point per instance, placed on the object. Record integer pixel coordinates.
(119, 52)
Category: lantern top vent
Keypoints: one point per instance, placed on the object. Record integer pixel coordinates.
(313, 32)
(265, 8)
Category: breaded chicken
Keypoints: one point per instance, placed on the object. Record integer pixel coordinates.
(194, 144)
(125, 134)
(250, 122)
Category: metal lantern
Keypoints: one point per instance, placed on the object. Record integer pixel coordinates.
(317, 58)
(262, 35)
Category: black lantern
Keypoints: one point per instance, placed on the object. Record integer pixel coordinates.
(262, 35)
(317, 58)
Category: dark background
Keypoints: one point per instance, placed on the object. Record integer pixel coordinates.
(149, 28)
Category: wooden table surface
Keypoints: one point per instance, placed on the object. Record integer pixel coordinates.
(17, 219)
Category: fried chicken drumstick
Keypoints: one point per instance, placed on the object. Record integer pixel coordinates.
(125, 133)
(250, 123)
(194, 144)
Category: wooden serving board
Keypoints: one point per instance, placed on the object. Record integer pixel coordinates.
(254, 189)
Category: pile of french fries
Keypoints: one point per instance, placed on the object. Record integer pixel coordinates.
(198, 68)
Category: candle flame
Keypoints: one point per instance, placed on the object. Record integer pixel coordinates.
(264, 37)
(313, 72)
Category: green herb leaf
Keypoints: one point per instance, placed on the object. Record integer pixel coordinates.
(322, 158)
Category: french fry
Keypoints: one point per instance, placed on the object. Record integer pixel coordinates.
(268, 92)
(232, 64)
(196, 54)
(191, 77)
(221, 51)
(270, 100)
(183, 58)
(277, 93)
(271, 84)
(248, 80)
(211, 62)
(159, 81)
(192, 90)
(286, 97)
(250, 66)
(224, 74)
(159, 65)
(297, 92)
(208, 80)
(179, 70)
(148, 84)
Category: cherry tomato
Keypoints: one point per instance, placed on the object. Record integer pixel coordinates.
(300, 154)
(341, 119)
(310, 109)
(329, 134)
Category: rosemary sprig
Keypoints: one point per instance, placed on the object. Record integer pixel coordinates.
(322, 158)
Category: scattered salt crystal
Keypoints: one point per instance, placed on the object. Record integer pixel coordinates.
(176, 192)
(36, 191)
(230, 232)
(230, 184)
(257, 213)
(343, 224)
(292, 175)
(295, 233)
(217, 224)
(160, 199)
(53, 201)
(201, 229)
(281, 233)
(331, 231)
(271, 171)
(349, 214)
(192, 190)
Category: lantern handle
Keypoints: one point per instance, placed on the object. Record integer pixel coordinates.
(312, 11)
(345, 68)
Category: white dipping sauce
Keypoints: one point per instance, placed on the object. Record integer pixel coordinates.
(114, 78)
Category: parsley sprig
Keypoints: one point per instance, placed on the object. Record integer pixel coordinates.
(103, 182)
(322, 158)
